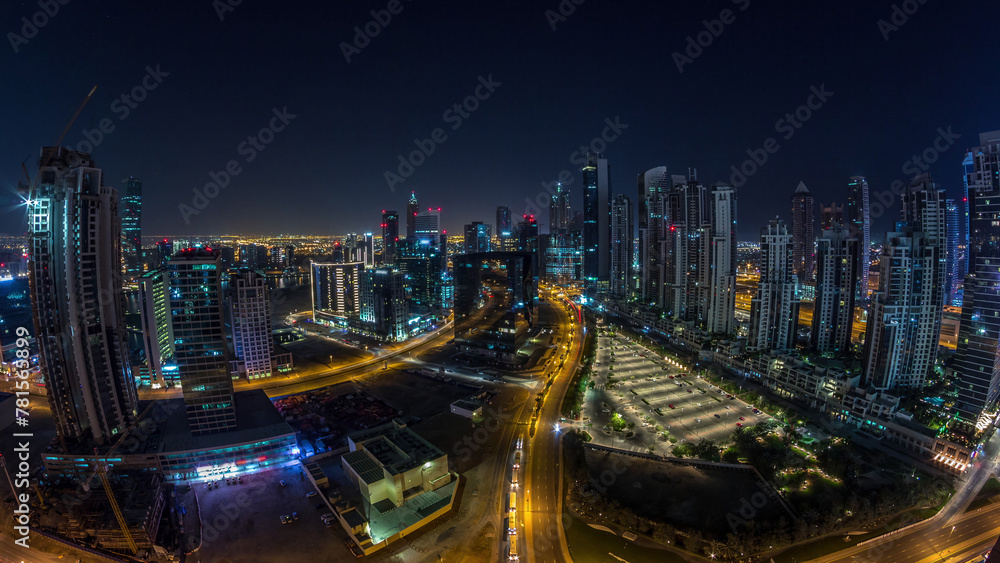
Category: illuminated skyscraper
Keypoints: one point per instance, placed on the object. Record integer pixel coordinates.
(390, 236)
(412, 208)
(859, 227)
(560, 212)
(336, 292)
(953, 277)
(722, 279)
(687, 247)
(200, 350)
(384, 311)
(774, 309)
(830, 215)
(251, 318)
(157, 330)
(477, 237)
(621, 247)
(596, 225)
(427, 225)
(803, 232)
(132, 227)
(653, 187)
(505, 229)
(76, 294)
(836, 280)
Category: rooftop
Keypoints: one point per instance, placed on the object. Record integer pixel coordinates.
(395, 446)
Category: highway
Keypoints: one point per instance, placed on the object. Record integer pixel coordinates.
(544, 538)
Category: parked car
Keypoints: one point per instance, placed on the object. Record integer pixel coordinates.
(282, 483)
(311, 494)
(295, 516)
(717, 416)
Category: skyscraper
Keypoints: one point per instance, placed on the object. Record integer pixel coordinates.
(77, 300)
(132, 227)
(953, 276)
(494, 303)
(203, 358)
(597, 224)
(722, 292)
(427, 225)
(836, 280)
(560, 212)
(653, 187)
(477, 237)
(505, 228)
(803, 232)
(251, 321)
(157, 330)
(687, 247)
(830, 215)
(412, 208)
(858, 217)
(336, 292)
(390, 236)
(976, 361)
(384, 312)
(621, 247)
(368, 247)
(774, 310)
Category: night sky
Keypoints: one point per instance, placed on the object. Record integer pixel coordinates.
(324, 173)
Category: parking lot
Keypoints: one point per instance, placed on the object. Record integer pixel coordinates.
(687, 407)
(242, 522)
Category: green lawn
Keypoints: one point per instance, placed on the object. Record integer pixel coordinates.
(587, 545)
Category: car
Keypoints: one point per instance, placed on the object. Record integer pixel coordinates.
(738, 425)
(295, 516)
(282, 483)
(239, 479)
(755, 411)
(717, 416)
(671, 406)
(330, 523)
(741, 418)
(690, 391)
(311, 494)
(671, 377)
(284, 519)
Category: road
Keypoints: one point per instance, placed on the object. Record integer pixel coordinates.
(544, 538)
(935, 539)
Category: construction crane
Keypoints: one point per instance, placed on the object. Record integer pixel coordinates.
(29, 188)
(101, 469)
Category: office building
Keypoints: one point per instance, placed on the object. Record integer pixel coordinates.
(427, 225)
(367, 249)
(251, 322)
(384, 311)
(976, 359)
(596, 225)
(774, 309)
(200, 349)
(722, 288)
(858, 217)
(686, 250)
(132, 227)
(560, 211)
(477, 237)
(621, 247)
(336, 292)
(953, 277)
(653, 187)
(803, 232)
(424, 267)
(164, 250)
(78, 304)
(157, 329)
(836, 281)
(390, 236)
(830, 215)
(412, 208)
(494, 303)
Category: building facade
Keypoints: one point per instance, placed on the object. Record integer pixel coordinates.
(803, 232)
(836, 281)
(621, 247)
(251, 321)
(774, 310)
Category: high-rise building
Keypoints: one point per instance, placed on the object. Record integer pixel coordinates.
(424, 267)
(899, 349)
(165, 249)
(494, 303)
(621, 247)
(132, 227)
(803, 232)
(368, 251)
(836, 280)
(254, 256)
(774, 310)
(858, 217)
(251, 322)
(428, 225)
(412, 208)
(384, 311)
(477, 237)
(390, 236)
(77, 300)
(336, 292)
(597, 224)
(830, 215)
(200, 350)
(977, 362)
(686, 251)
(157, 329)
(653, 187)
(722, 288)
(560, 211)
(953, 276)
(505, 229)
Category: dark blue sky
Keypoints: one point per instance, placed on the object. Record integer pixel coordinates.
(324, 173)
